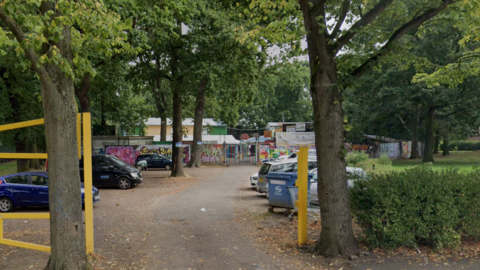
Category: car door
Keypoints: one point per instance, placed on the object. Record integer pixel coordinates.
(39, 190)
(101, 172)
(158, 161)
(20, 189)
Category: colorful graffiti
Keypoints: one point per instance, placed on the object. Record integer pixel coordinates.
(125, 153)
(212, 153)
(270, 152)
(164, 150)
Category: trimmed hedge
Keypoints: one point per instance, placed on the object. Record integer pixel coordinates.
(418, 207)
(463, 146)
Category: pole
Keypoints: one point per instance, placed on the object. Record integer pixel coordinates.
(302, 185)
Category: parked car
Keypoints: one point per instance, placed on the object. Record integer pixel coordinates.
(353, 174)
(108, 170)
(289, 165)
(29, 189)
(254, 179)
(155, 161)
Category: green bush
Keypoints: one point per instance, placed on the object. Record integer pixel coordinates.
(418, 207)
(384, 160)
(355, 157)
(463, 146)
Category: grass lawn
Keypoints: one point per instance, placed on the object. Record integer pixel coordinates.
(463, 160)
(11, 167)
(8, 168)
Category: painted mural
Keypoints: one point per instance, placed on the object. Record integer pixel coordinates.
(212, 153)
(267, 152)
(125, 153)
(164, 150)
(390, 149)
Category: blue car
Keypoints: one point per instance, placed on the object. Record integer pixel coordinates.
(29, 189)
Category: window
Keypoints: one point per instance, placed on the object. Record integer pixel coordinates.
(39, 180)
(145, 157)
(102, 162)
(312, 165)
(264, 169)
(21, 179)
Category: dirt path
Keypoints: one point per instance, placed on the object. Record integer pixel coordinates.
(211, 219)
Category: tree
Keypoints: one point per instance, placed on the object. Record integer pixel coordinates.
(43, 31)
(365, 33)
(20, 90)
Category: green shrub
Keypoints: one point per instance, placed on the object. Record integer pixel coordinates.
(463, 146)
(384, 160)
(355, 157)
(418, 207)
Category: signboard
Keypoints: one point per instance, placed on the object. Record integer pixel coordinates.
(291, 128)
(295, 139)
(300, 127)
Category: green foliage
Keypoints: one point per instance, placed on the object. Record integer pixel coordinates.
(463, 146)
(384, 160)
(418, 206)
(355, 157)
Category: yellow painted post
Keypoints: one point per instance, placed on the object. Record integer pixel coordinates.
(87, 170)
(302, 185)
(1, 228)
(79, 134)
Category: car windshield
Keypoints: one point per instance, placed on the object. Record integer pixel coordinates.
(118, 161)
(264, 169)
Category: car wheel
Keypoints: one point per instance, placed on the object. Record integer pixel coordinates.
(6, 204)
(168, 167)
(124, 183)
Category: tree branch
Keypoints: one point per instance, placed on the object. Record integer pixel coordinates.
(341, 19)
(365, 20)
(400, 32)
(20, 37)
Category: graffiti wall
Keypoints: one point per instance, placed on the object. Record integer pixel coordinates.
(125, 153)
(164, 150)
(212, 153)
(392, 150)
(267, 152)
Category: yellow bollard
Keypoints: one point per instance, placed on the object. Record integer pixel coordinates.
(87, 182)
(302, 185)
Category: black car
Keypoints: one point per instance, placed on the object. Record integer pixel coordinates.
(155, 161)
(108, 170)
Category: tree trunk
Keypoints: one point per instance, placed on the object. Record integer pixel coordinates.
(177, 147)
(163, 132)
(196, 158)
(428, 152)
(437, 142)
(336, 237)
(82, 93)
(21, 146)
(446, 146)
(414, 152)
(34, 163)
(103, 121)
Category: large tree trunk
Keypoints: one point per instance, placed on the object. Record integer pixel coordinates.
(414, 152)
(196, 158)
(336, 237)
(437, 142)
(428, 152)
(446, 146)
(21, 146)
(177, 147)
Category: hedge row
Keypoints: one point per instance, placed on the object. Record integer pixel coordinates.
(463, 146)
(418, 207)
